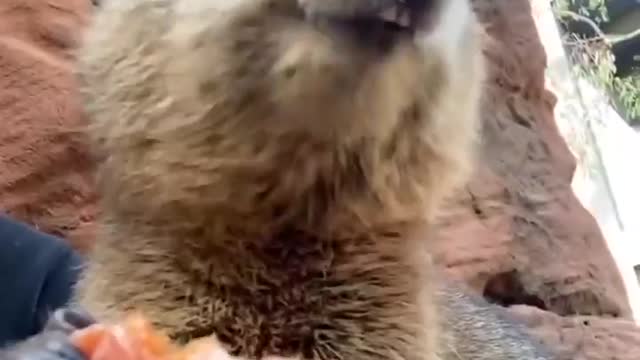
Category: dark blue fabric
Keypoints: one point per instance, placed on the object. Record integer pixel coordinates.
(37, 274)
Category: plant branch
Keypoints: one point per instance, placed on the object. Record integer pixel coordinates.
(615, 39)
(609, 39)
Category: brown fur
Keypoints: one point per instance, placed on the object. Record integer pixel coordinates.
(262, 177)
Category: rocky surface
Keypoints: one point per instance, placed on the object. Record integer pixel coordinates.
(582, 337)
(44, 167)
(523, 226)
(516, 234)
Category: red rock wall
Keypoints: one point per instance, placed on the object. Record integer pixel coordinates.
(517, 233)
(521, 221)
(44, 167)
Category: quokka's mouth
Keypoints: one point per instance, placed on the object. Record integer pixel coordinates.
(411, 15)
(396, 17)
(381, 26)
(401, 16)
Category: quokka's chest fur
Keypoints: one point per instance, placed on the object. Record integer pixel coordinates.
(296, 297)
(313, 299)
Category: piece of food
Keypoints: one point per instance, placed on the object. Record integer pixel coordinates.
(136, 339)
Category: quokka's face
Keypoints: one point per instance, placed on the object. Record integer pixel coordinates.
(338, 69)
(185, 96)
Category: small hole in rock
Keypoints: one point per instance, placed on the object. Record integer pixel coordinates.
(506, 289)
